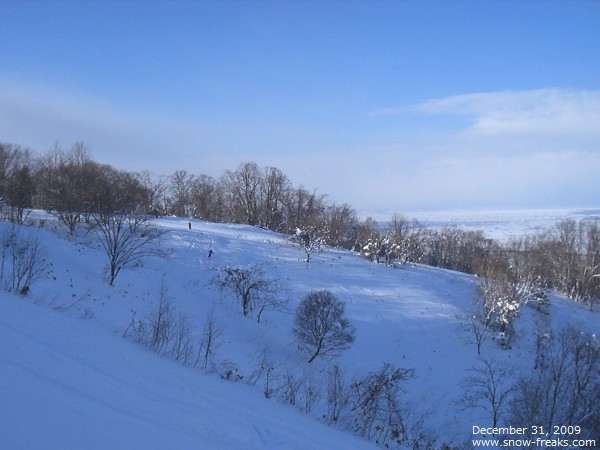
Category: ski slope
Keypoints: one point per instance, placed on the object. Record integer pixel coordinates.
(70, 380)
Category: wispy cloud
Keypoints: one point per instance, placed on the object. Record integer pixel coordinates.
(551, 111)
(509, 148)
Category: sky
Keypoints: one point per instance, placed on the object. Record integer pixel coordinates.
(384, 105)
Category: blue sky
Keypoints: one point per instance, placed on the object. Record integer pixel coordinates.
(385, 105)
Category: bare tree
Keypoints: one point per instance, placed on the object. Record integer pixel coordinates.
(159, 329)
(489, 388)
(311, 240)
(304, 209)
(253, 288)
(476, 331)
(404, 240)
(156, 189)
(589, 284)
(182, 346)
(338, 395)
(566, 257)
(461, 250)
(63, 183)
(340, 223)
(567, 240)
(311, 391)
(17, 186)
(273, 190)
(366, 233)
(243, 189)
(180, 184)
(291, 388)
(209, 343)
(320, 325)
(207, 199)
(126, 238)
(265, 370)
(377, 411)
(164, 332)
(565, 386)
(500, 304)
(21, 260)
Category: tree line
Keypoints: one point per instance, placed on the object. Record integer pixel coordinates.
(71, 185)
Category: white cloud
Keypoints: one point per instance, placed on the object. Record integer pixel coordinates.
(553, 111)
(510, 149)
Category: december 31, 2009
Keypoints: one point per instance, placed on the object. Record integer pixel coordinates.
(533, 430)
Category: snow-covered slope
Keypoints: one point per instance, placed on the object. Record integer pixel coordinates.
(68, 384)
(70, 380)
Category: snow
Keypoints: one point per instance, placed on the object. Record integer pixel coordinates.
(497, 224)
(70, 380)
(69, 384)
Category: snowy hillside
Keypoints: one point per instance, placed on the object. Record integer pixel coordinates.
(71, 380)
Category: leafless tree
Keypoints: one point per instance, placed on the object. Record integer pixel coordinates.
(182, 345)
(180, 186)
(72, 186)
(566, 258)
(158, 331)
(367, 232)
(22, 259)
(304, 209)
(320, 325)
(489, 388)
(461, 250)
(567, 239)
(338, 395)
(207, 199)
(156, 187)
(126, 238)
(311, 240)
(501, 305)
(252, 287)
(400, 241)
(376, 406)
(311, 392)
(274, 188)
(565, 386)
(265, 371)
(164, 331)
(209, 343)
(476, 331)
(64, 184)
(17, 185)
(242, 187)
(291, 388)
(589, 284)
(339, 225)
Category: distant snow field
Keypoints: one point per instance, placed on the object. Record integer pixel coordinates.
(499, 224)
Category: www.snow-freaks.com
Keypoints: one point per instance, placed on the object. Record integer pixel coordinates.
(541, 437)
(538, 442)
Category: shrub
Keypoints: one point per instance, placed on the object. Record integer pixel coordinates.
(320, 325)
